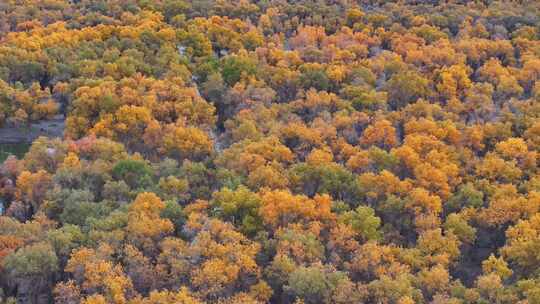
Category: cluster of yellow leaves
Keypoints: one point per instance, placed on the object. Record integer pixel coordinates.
(280, 207)
(145, 226)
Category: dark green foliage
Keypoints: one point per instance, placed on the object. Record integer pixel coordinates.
(136, 173)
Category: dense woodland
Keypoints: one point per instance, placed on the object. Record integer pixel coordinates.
(272, 151)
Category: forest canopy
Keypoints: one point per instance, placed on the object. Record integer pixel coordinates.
(301, 152)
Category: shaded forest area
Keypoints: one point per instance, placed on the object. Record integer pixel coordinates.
(272, 151)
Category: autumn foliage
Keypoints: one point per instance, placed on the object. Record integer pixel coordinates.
(271, 151)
